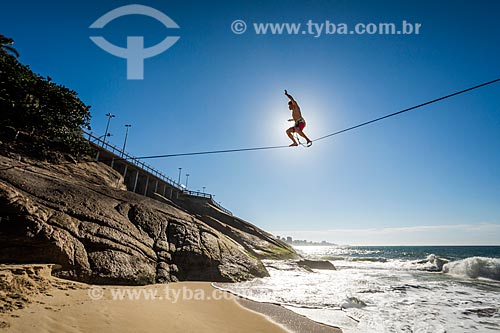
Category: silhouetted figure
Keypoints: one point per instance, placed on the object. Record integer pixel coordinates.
(300, 122)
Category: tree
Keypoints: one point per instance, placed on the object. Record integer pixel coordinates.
(50, 116)
(5, 46)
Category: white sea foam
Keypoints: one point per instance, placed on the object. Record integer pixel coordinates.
(352, 302)
(475, 267)
(385, 295)
(431, 263)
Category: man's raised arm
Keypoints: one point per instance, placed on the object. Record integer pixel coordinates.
(290, 96)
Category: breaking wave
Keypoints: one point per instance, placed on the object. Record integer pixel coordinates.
(475, 267)
(432, 263)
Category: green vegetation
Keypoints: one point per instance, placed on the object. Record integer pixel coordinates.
(37, 116)
(277, 252)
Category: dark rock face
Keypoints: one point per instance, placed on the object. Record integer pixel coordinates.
(255, 241)
(316, 264)
(81, 218)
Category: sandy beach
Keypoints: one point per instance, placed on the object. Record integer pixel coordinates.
(34, 301)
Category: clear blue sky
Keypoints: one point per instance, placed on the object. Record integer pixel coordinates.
(436, 170)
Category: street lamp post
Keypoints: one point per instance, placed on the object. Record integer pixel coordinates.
(179, 180)
(187, 178)
(109, 115)
(204, 189)
(102, 136)
(125, 141)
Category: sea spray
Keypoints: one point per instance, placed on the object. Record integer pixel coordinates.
(352, 302)
(432, 263)
(419, 289)
(475, 267)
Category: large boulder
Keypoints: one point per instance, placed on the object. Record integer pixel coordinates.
(80, 217)
(316, 264)
(255, 240)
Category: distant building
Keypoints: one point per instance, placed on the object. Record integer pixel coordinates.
(303, 242)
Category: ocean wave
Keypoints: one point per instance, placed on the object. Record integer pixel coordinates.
(355, 259)
(432, 263)
(352, 302)
(331, 258)
(475, 267)
(369, 259)
(472, 267)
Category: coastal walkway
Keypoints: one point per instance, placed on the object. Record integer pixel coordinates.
(143, 179)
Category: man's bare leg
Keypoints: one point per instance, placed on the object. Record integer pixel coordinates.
(290, 135)
(299, 132)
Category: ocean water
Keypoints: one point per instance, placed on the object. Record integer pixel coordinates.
(388, 289)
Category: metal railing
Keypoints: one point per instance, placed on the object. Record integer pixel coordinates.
(127, 157)
(140, 164)
(216, 204)
(208, 196)
(198, 194)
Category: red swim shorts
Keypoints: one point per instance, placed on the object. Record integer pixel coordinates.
(300, 125)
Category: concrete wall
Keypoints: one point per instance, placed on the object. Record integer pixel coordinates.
(136, 179)
(144, 182)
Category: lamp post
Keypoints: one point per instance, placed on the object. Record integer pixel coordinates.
(102, 136)
(179, 180)
(187, 178)
(204, 189)
(109, 115)
(126, 136)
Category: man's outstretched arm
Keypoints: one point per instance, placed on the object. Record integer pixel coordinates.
(289, 96)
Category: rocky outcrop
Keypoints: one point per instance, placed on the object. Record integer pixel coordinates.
(80, 217)
(256, 241)
(316, 264)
